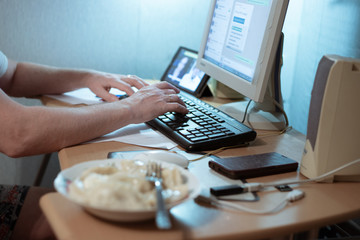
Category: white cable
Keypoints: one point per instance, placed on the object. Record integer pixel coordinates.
(234, 206)
(290, 197)
(255, 187)
(283, 112)
(315, 178)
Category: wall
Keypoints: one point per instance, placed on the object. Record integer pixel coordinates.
(122, 36)
(313, 29)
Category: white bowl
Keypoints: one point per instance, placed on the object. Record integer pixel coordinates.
(65, 177)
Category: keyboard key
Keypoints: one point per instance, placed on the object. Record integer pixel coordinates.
(195, 139)
(217, 135)
(229, 132)
(166, 120)
(184, 132)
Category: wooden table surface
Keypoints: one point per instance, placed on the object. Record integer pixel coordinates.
(323, 204)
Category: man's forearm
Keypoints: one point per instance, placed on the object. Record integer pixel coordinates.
(33, 79)
(40, 129)
(35, 130)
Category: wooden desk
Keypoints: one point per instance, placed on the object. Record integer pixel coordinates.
(323, 204)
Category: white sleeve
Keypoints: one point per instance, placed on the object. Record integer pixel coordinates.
(3, 64)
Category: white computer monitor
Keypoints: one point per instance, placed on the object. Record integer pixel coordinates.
(239, 45)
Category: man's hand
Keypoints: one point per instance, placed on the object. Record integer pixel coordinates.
(101, 83)
(154, 100)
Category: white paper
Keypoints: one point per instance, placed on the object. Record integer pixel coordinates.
(138, 134)
(82, 96)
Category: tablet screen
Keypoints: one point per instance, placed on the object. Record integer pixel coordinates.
(183, 73)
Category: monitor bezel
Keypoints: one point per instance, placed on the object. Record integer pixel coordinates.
(256, 89)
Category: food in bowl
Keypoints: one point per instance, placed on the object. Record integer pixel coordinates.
(123, 186)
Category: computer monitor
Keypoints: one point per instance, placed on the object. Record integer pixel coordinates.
(238, 49)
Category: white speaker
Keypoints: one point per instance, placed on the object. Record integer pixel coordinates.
(333, 132)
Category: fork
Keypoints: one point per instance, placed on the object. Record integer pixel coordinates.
(153, 174)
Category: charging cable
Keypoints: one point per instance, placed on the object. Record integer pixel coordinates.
(254, 187)
(290, 197)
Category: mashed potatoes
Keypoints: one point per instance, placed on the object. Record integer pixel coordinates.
(123, 186)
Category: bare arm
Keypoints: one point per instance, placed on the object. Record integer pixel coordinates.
(34, 130)
(27, 79)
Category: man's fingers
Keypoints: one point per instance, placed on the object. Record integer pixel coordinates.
(175, 98)
(176, 107)
(135, 81)
(166, 85)
(106, 96)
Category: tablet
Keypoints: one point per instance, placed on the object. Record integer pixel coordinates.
(183, 73)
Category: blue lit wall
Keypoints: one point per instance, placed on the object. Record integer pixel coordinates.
(312, 29)
(130, 37)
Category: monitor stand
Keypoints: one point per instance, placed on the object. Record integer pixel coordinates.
(266, 115)
(258, 116)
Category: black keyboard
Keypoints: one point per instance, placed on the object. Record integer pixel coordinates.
(203, 128)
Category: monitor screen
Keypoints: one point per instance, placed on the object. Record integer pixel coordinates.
(240, 41)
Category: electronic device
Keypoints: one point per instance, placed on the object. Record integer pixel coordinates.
(165, 156)
(204, 127)
(242, 48)
(333, 131)
(179, 157)
(183, 73)
(250, 166)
